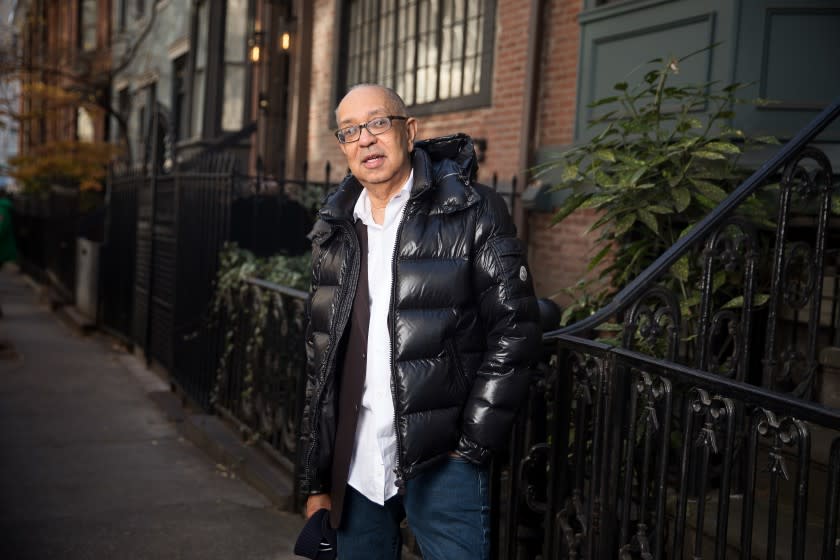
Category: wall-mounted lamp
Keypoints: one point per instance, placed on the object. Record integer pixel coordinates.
(255, 45)
(285, 41)
(263, 101)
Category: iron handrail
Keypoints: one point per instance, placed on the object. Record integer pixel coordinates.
(803, 410)
(632, 291)
(286, 290)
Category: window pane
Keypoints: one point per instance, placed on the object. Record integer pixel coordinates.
(201, 37)
(198, 84)
(236, 28)
(234, 103)
(88, 24)
(198, 102)
(428, 50)
(84, 125)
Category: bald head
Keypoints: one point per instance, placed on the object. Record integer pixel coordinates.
(395, 103)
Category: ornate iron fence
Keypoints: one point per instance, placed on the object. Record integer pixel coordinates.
(714, 435)
(118, 256)
(164, 233)
(46, 226)
(260, 377)
(29, 220)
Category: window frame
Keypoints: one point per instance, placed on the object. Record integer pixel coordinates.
(465, 102)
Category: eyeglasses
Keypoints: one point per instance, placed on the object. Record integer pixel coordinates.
(375, 126)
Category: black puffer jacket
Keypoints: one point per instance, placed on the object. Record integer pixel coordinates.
(463, 318)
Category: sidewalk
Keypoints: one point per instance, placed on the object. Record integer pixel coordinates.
(91, 468)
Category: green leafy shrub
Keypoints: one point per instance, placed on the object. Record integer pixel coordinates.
(240, 304)
(662, 158)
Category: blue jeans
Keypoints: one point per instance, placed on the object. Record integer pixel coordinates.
(447, 507)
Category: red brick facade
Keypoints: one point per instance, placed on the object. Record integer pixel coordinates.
(558, 254)
(53, 56)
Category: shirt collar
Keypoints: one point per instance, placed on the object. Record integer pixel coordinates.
(362, 209)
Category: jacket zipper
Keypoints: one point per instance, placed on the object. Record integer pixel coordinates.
(344, 316)
(400, 481)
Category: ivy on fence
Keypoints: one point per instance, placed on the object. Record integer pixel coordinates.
(244, 309)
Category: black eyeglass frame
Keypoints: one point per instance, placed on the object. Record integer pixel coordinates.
(365, 126)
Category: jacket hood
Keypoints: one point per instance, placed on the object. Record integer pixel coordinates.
(447, 163)
(457, 148)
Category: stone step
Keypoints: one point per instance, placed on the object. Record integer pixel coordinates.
(761, 516)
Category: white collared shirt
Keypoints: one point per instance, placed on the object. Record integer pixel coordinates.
(375, 450)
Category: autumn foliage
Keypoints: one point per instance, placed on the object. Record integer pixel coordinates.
(67, 163)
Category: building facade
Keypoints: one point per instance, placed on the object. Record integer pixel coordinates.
(151, 48)
(65, 55)
(503, 72)
(520, 77)
(261, 78)
(9, 93)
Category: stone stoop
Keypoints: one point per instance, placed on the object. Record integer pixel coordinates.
(828, 394)
(784, 521)
(817, 487)
(828, 378)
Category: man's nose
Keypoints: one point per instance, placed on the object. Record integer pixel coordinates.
(366, 138)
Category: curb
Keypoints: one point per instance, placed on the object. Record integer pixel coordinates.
(79, 323)
(232, 455)
(218, 440)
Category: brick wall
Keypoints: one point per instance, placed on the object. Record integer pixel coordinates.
(558, 73)
(559, 253)
(322, 144)
(58, 64)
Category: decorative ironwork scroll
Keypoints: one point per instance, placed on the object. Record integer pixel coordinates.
(648, 443)
(724, 337)
(709, 432)
(653, 324)
(780, 434)
(797, 273)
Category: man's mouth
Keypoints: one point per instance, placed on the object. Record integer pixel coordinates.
(373, 160)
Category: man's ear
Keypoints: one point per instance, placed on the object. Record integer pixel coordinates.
(411, 131)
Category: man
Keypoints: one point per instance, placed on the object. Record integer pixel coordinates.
(422, 327)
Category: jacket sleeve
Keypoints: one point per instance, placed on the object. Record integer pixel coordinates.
(311, 480)
(510, 316)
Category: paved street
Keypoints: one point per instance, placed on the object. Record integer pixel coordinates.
(91, 468)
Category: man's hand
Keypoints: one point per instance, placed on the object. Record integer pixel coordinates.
(316, 502)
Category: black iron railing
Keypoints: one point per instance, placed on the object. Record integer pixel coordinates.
(703, 434)
(47, 224)
(260, 380)
(30, 221)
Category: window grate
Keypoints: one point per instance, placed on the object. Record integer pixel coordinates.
(432, 52)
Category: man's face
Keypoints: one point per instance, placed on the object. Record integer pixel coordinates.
(381, 162)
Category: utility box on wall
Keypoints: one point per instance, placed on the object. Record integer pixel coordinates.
(87, 277)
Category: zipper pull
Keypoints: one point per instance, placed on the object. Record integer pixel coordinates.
(399, 483)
